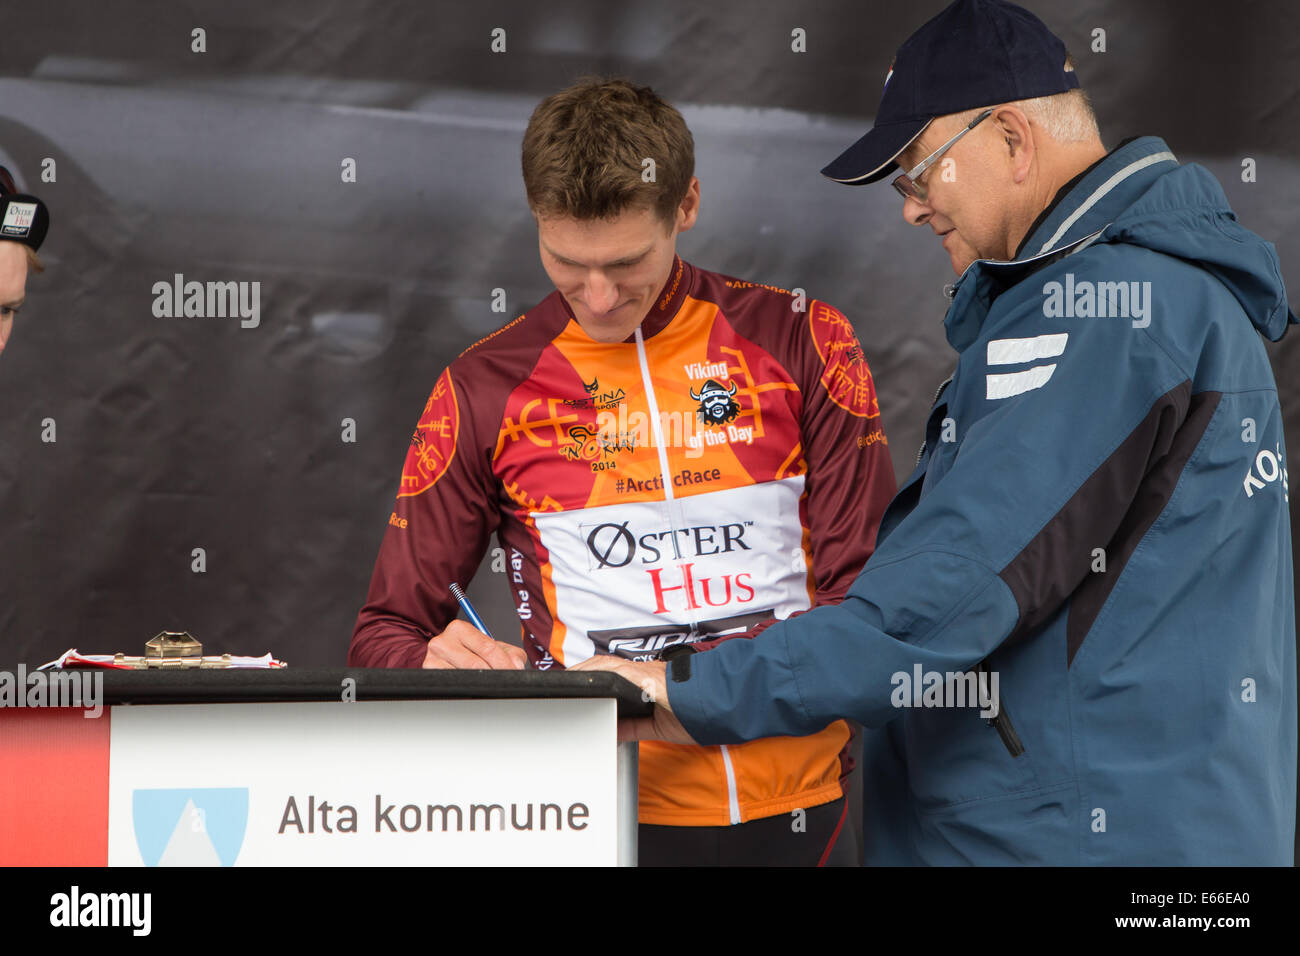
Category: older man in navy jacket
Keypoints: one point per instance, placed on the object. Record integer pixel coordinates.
(1093, 554)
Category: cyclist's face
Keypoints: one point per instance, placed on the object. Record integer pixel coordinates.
(609, 271)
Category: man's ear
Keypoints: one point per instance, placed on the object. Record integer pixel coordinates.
(1013, 126)
(689, 210)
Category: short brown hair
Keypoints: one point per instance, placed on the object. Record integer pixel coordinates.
(33, 260)
(585, 152)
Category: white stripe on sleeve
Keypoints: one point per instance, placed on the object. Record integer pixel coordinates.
(1014, 383)
(1015, 351)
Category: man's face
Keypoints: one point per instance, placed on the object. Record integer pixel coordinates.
(967, 190)
(609, 271)
(13, 286)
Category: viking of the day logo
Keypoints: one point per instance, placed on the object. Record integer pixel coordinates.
(717, 404)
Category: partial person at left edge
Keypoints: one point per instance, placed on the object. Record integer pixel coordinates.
(24, 221)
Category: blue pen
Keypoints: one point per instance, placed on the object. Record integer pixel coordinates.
(468, 608)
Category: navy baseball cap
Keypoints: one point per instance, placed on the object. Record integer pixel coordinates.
(975, 53)
(23, 218)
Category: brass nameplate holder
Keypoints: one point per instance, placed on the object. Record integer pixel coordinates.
(170, 650)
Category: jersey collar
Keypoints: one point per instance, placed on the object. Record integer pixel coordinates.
(669, 301)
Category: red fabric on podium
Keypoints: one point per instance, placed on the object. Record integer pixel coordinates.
(54, 791)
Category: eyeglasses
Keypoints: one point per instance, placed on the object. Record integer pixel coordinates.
(907, 184)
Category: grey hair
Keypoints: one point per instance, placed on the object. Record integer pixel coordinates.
(1065, 117)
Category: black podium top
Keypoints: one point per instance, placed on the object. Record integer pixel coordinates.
(222, 685)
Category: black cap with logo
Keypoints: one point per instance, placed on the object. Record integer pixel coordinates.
(975, 53)
(23, 218)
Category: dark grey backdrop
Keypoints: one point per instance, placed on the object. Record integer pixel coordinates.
(175, 434)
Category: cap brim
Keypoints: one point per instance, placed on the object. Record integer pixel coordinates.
(872, 157)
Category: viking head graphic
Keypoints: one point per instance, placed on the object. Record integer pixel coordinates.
(717, 406)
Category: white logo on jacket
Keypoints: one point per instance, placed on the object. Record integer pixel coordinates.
(1267, 468)
(1020, 352)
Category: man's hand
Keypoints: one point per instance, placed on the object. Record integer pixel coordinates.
(652, 678)
(463, 646)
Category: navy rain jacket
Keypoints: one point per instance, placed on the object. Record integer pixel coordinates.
(1099, 517)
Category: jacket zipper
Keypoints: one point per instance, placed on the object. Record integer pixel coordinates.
(937, 392)
(1002, 722)
(656, 427)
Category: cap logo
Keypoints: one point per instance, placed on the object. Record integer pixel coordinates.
(890, 75)
(18, 219)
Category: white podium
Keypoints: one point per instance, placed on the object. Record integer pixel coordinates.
(464, 768)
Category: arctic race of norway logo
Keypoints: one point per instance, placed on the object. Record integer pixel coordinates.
(587, 444)
(433, 445)
(190, 827)
(846, 377)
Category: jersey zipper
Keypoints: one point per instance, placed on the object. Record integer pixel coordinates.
(733, 802)
(656, 428)
(656, 425)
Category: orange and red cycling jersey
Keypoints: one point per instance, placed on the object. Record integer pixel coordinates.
(724, 466)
